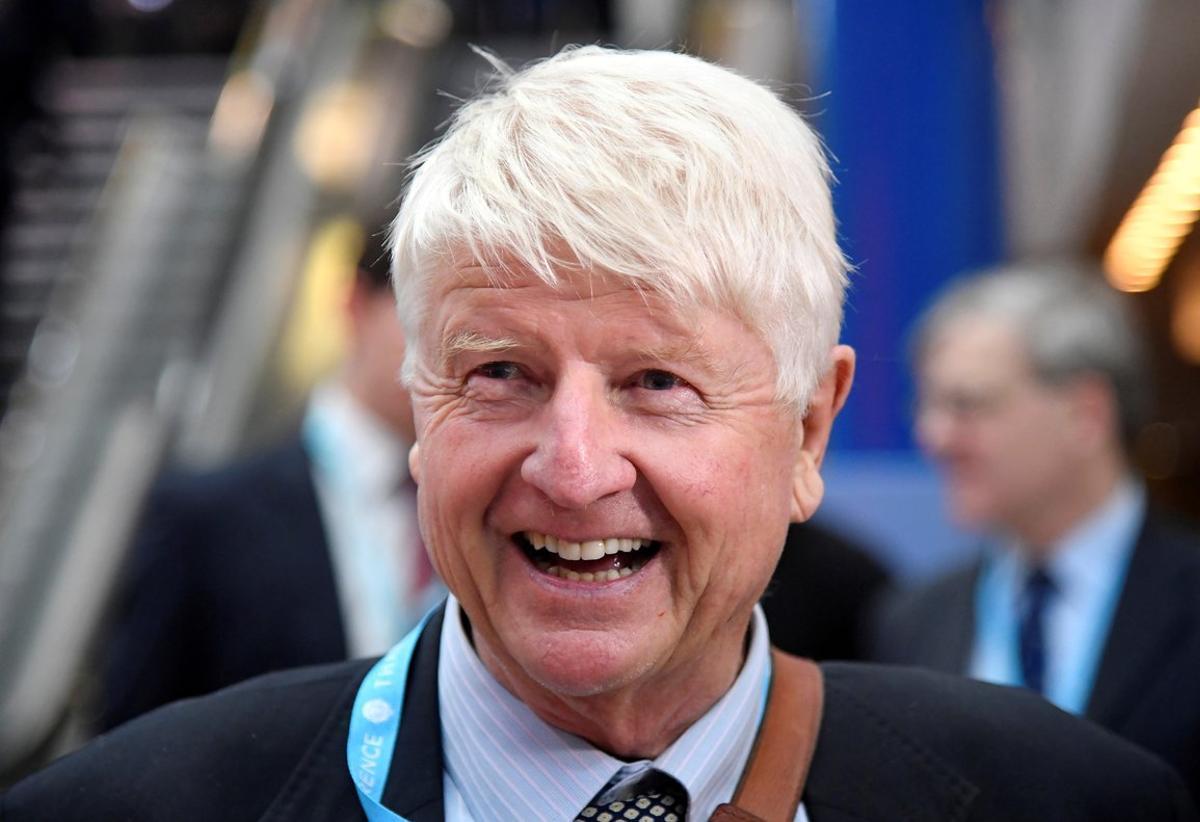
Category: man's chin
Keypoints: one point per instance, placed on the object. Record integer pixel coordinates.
(971, 511)
(583, 662)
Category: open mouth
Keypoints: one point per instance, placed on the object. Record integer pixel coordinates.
(593, 560)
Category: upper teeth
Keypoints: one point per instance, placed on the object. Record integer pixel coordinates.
(588, 549)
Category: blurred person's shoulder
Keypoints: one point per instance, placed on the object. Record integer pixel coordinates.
(253, 473)
(924, 623)
(226, 755)
(1003, 753)
(1178, 534)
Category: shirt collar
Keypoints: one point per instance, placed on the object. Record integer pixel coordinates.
(543, 771)
(348, 441)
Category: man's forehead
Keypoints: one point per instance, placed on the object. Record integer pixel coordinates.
(975, 350)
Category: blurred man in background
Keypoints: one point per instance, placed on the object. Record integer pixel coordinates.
(1030, 389)
(308, 553)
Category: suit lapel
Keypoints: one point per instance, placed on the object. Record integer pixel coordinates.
(415, 788)
(320, 788)
(319, 611)
(1151, 613)
(866, 768)
(951, 650)
(934, 628)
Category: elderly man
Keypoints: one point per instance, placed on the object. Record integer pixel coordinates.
(621, 290)
(1030, 387)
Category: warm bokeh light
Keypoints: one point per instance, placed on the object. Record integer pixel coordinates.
(418, 23)
(241, 113)
(315, 334)
(1161, 217)
(336, 136)
(1185, 316)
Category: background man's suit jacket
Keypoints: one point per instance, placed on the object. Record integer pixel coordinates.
(1147, 686)
(894, 744)
(820, 593)
(231, 577)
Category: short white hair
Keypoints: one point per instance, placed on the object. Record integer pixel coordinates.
(671, 173)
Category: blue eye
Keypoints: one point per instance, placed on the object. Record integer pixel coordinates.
(654, 380)
(499, 370)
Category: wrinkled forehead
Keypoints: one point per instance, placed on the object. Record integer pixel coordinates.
(507, 278)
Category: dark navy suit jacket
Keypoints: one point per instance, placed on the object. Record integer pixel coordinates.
(1147, 686)
(894, 744)
(229, 577)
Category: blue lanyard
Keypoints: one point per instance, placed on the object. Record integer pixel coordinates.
(375, 723)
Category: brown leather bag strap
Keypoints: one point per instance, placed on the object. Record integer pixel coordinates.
(773, 781)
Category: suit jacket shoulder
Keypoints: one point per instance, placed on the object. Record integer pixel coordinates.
(930, 625)
(228, 755)
(229, 577)
(272, 749)
(903, 743)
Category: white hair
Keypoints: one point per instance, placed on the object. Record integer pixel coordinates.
(673, 174)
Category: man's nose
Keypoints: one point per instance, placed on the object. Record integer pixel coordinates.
(576, 460)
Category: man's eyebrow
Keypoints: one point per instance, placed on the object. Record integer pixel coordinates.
(472, 342)
(688, 353)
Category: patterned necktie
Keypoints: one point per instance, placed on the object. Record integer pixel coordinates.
(1039, 587)
(652, 796)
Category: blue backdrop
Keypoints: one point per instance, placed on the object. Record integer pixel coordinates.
(907, 105)
(905, 98)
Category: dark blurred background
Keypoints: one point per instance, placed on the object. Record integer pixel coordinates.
(182, 183)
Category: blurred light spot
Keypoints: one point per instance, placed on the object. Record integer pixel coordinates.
(1161, 217)
(150, 5)
(1185, 316)
(53, 352)
(336, 136)
(1157, 450)
(418, 23)
(241, 114)
(315, 335)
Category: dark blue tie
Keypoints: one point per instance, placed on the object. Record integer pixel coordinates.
(1034, 599)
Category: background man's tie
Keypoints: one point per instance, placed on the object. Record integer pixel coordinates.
(1039, 588)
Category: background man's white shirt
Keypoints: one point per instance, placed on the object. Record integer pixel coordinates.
(359, 468)
(1088, 568)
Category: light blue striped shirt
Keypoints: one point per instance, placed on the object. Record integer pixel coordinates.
(504, 763)
(1088, 568)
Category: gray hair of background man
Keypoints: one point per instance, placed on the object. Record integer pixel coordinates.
(656, 168)
(1071, 324)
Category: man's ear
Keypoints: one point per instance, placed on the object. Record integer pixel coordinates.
(414, 463)
(827, 400)
(1094, 411)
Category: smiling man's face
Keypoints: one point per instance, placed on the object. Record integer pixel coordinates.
(605, 483)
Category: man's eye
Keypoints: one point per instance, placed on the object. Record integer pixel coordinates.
(499, 370)
(654, 380)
